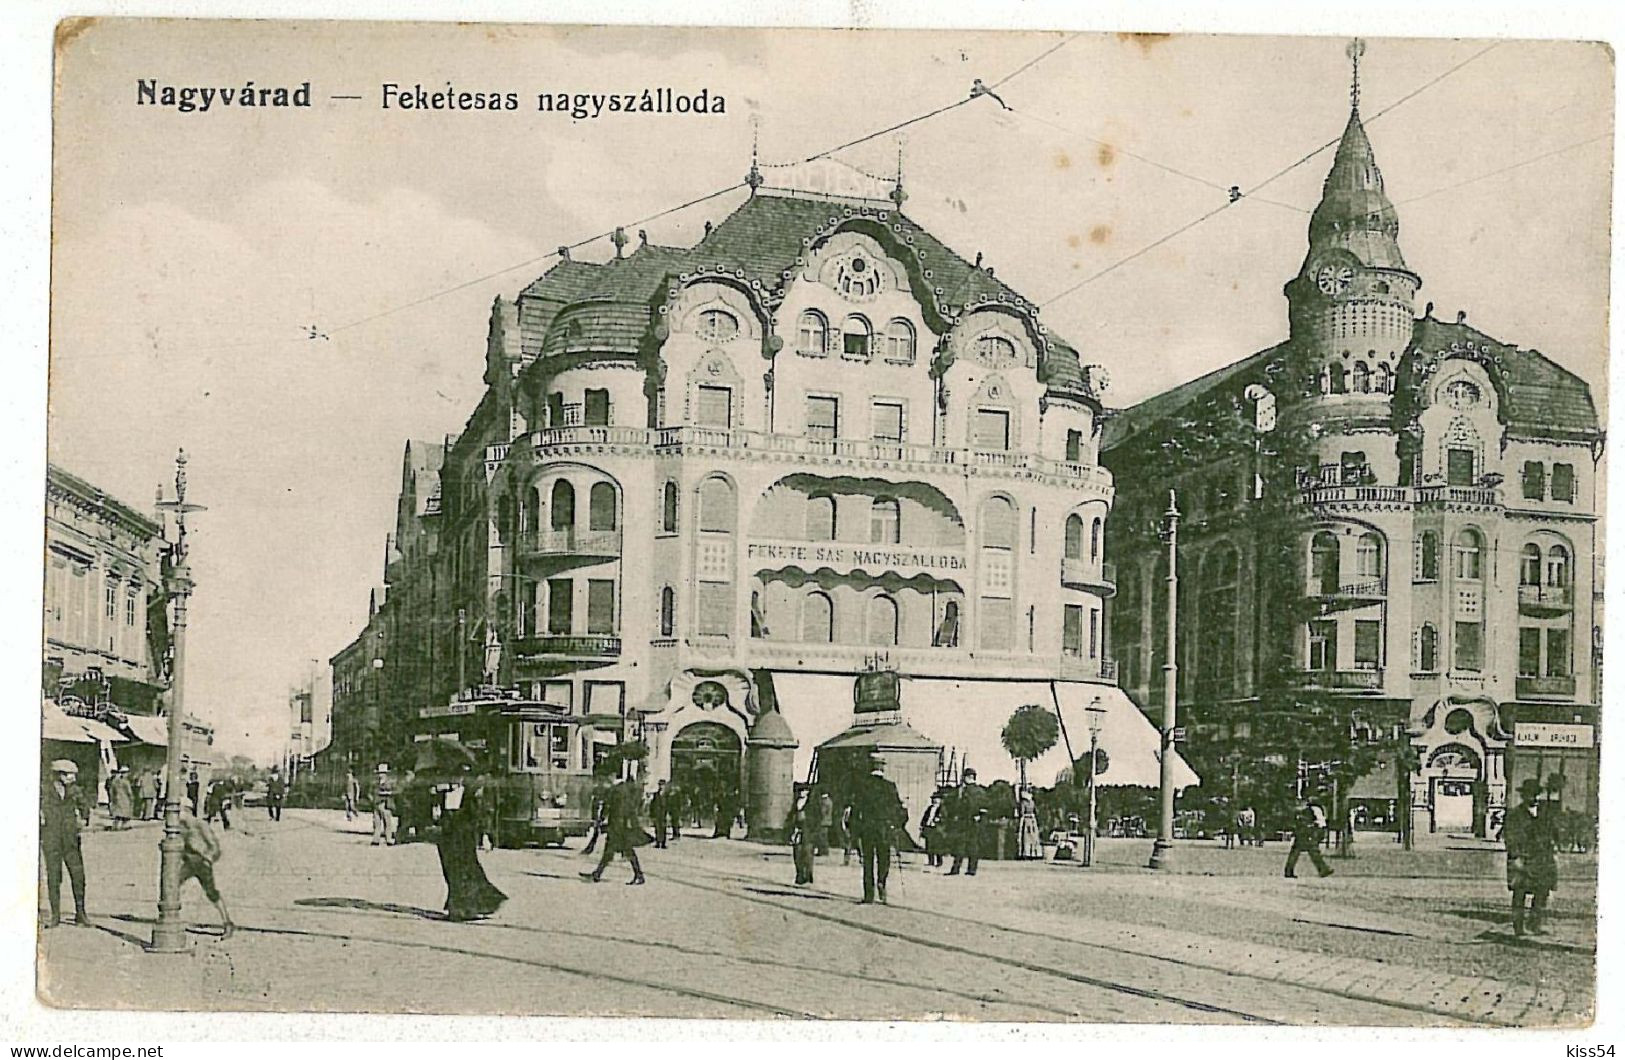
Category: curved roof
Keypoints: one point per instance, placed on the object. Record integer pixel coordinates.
(1355, 213)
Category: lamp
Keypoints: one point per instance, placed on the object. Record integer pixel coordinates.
(1097, 717)
(1163, 849)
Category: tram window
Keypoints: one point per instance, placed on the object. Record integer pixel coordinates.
(559, 744)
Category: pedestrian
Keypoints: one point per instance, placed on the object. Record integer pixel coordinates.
(828, 825)
(62, 813)
(120, 798)
(931, 831)
(873, 817)
(1247, 826)
(218, 803)
(623, 833)
(383, 806)
(659, 806)
(727, 808)
(1029, 847)
(352, 794)
(1531, 844)
(470, 894)
(194, 792)
(276, 790)
(802, 828)
(161, 779)
(965, 812)
(146, 793)
(600, 790)
(198, 857)
(1308, 832)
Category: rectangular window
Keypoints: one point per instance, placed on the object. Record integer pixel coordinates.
(606, 698)
(1534, 480)
(997, 624)
(1529, 652)
(1072, 630)
(558, 747)
(110, 599)
(715, 406)
(887, 421)
(1367, 644)
(555, 410)
(1460, 467)
(1094, 634)
(992, 430)
(596, 413)
(600, 606)
(1563, 483)
(1074, 447)
(1557, 653)
(560, 605)
(823, 416)
(714, 603)
(1469, 647)
(560, 694)
(1322, 645)
(129, 610)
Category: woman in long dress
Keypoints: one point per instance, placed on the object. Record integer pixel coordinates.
(1028, 845)
(469, 894)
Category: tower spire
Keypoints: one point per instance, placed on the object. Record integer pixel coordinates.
(1355, 49)
(753, 179)
(898, 195)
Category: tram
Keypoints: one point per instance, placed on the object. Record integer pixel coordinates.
(538, 757)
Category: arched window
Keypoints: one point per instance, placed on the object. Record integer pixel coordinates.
(1368, 558)
(821, 517)
(996, 607)
(1337, 378)
(601, 507)
(1382, 379)
(1323, 562)
(1362, 378)
(1529, 565)
(1427, 649)
(1427, 557)
(668, 508)
(947, 632)
(818, 619)
(882, 626)
(1074, 537)
(1094, 540)
(1470, 555)
(716, 506)
(563, 506)
(885, 527)
(900, 341)
(996, 351)
(998, 529)
(533, 518)
(718, 325)
(1557, 567)
(856, 337)
(813, 333)
(668, 611)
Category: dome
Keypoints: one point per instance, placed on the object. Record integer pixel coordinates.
(771, 728)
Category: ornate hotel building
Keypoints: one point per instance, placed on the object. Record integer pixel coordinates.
(699, 474)
(1444, 553)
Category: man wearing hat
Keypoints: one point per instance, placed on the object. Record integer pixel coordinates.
(965, 811)
(872, 819)
(120, 798)
(1531, 844)
(383, 806)
(62, 812)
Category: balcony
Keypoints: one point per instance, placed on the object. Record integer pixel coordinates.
(1545, 687)
(1315, 492)
(603, 544)
(1079, 668)
(1082, 574)
(1351, 594)
(567, 646)
(1458, 496)
(1341, 680)
(1545, 599)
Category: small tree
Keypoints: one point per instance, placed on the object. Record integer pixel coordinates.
(1030, 732)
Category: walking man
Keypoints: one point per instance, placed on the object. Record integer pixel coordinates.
(120, 798)
(194, 792)
(218, 803)
(1308, 832)
(931, 831)
(965, 811)
(874, 815)
(61, 814)
(827, 824)
(198, 856)
(383, 807)
(1531, 843)
(658, 810)
(802, 829)
(146, 794)
(623, 833)
(352, 794)
(276, 790)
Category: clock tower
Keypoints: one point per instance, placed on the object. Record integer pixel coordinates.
(1351, 305)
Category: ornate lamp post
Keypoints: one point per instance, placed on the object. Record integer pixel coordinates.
(169, 933)
(1097, 715)
(1162, 850)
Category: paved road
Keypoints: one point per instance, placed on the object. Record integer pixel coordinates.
(334, 924)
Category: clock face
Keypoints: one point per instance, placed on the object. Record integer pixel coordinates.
(1334, 278)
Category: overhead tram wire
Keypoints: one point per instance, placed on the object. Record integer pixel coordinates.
(1272, 178)
(1504, 169)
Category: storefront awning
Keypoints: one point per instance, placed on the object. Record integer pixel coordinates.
(59, 726)
(1132, 745)
(148, 728)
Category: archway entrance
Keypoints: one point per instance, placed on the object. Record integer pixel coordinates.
(705, 768)
(1453, 774)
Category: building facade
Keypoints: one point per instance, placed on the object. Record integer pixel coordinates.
(814, 442)
(1436, 488)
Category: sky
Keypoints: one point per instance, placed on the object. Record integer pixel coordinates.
(191, 250)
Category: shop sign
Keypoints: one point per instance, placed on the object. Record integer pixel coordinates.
(904, 559)
(1548, 734)
(450, 710)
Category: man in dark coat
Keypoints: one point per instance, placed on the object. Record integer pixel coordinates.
(623, 830)
(874, 815)
(801, 829)
(965, 811)
(62, 812)
(276, 792)
(659, 808)
(1308, 832)
(1531, 843)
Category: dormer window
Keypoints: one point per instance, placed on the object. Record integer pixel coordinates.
(718, 325)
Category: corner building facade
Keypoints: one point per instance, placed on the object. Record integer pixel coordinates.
(815, 437)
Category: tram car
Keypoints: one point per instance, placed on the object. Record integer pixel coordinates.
(537, 759)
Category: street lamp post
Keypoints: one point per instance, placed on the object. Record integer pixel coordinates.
(169, 933)
(1162, 850)
(1097, 715)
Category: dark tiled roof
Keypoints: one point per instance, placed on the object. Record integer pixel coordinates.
(1126, 423)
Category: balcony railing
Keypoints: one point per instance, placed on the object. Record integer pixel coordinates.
(568, 645)
(1366, 589)
(570, 543)
(1079, 668)
(883, 452)
(1341, 680)
(1472, 496)
(1545, 597)
(1545, 687)
(1316, 493)
(1081, 574)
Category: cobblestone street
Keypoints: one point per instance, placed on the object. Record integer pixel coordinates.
(330, 923)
